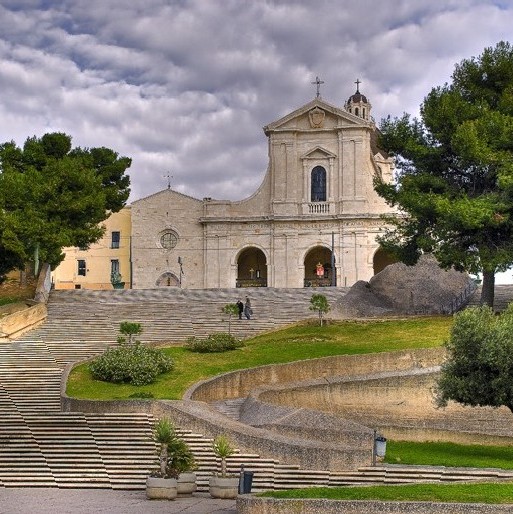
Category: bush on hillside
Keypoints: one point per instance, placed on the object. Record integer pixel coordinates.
(133, 364)
(214, 343)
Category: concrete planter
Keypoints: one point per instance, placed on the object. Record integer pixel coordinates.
(186, 484)
(161, 488)
(226, 488)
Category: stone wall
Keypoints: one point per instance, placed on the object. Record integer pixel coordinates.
(238, 384)
(15, 324)
(203, 419)
(399, 404)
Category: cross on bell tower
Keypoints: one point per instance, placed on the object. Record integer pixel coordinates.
(358, 104)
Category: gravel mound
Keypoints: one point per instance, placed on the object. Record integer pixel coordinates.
(400, 289)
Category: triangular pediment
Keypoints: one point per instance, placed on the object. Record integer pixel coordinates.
(315, 114)
(165, 192)
(318, 153)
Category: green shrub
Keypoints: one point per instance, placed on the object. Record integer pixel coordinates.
(214, 343)
(134, 364)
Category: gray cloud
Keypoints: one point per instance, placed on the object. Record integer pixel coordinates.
(185, 87)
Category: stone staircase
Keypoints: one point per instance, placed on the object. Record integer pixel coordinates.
(503, 296)
(43, 447)
(171, 315)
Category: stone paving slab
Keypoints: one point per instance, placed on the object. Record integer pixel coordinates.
(104, 501)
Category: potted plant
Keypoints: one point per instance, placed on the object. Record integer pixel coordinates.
(181, 459)
(116, 280)
(223, 485)
(162, 483)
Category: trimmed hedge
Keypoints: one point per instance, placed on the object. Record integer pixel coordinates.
(134, 364)
(214, 343)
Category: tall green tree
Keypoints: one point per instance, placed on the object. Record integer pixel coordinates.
(53, 196)
(455, 171)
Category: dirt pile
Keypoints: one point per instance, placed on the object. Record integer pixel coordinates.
(400, 289)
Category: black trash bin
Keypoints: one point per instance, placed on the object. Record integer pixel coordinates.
(245, 482)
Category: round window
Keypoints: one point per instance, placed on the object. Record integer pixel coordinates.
(168, 240)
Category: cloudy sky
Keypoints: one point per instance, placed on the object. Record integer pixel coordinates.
(184, 87)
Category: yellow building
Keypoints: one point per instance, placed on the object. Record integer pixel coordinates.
(94, 267)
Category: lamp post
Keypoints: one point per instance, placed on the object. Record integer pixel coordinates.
(333, 270)
(180, 261)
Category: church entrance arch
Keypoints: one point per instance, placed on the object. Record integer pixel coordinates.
(381, 260)
(168, 279)
(251, 268)
(318, 272)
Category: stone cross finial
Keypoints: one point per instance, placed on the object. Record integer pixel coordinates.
(169, 177)
(357, 82)
(318, 82)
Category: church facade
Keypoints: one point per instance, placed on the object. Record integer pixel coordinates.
(313, 221)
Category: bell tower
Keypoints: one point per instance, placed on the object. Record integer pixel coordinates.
(358, 104)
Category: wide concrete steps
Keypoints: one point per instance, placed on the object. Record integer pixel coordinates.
(171, 315)
(43, 447)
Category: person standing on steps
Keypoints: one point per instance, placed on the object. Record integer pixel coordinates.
(248, 311)
(240, 306)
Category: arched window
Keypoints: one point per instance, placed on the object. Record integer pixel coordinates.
(318, 184)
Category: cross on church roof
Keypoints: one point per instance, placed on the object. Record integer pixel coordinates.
(318, 82)
(169, 177)
(357, 82)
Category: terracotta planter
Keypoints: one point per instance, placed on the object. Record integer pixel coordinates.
(226, 488)
(161, 488)
(186, 484)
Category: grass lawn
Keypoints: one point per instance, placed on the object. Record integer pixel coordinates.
(449, 454)
(446, 493)
(295, 343)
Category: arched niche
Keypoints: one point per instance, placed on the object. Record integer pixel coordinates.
(381, 260)
(252, 268)
(168, 279)
(318, 272)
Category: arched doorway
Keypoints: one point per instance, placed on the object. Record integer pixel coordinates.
(251, 268)
(382, 259)
(318, 272)
(168, 279)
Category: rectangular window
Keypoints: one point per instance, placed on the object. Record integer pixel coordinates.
(114, 266)
(116, 237)
(81, 267)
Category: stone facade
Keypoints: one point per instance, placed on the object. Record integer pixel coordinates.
(317, 198)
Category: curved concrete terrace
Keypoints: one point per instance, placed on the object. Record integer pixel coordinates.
(291, 414)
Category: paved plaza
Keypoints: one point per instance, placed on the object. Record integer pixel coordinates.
(104, 501)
